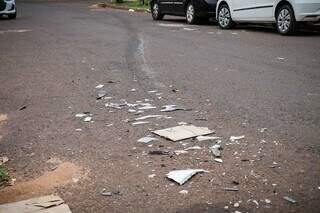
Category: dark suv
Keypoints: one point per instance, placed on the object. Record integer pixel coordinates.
(193, 10)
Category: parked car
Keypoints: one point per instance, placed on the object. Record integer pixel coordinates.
(286, 15)
(193, 10)
(8, 7)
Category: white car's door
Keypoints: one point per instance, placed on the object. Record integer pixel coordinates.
(263, 10)
(240, 9)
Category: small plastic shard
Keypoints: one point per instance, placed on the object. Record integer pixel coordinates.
(231, 189)
(179, 152)
(267, 201)
(216, 150)
(193, 148)
(81, 115)
(183, 132)
(184, 191)
(236, 205)
(182, 176)
(139, 123)
(218, 160)
(114, 105)
(152, 91)
(78, 130)
(204, 138)
(150, 116)
(151, 176)
(132, 110)
(146, 106)
(101, 94)
(131, 10)
(147, 139)
(87, 119)
(171, 108)
(104, 192)
(159, 152)
(133, 90)
(289, 199)
(99, 86)
(3, 160)
(183, 123)
(235, 138)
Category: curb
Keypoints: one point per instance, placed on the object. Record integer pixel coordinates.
(119, 7)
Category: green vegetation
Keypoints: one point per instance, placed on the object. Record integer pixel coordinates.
(132, 4)
(4, 177)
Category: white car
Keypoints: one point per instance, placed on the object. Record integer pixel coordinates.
(8, 7)
(286, 14)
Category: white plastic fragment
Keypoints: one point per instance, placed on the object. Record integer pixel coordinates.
(113, 105)
(80, 115)
(3, 160)
(267, 201)
(204, 138)
(139, 123)
(131, 10)
(171, 108)
(132, 110)
(184, 191)
(183, 132)
(235, 138)
(289, 199)
(99, 86)
(193, 148)
(78, 130)
(236, 205)
(179, 152)
(147, 139)
(152, 91)
(151, 176)
(133, 90)
(219, 160)
(146, 106)
(87, 119)
(216, 150)
(151, 116)
(182, 176)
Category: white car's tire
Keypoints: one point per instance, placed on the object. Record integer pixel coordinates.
(285, 21)
(224, 17)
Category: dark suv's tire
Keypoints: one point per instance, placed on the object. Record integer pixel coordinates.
(285, 21)
(224, 17)
(12, 16)
(156, 12)
(191, 14)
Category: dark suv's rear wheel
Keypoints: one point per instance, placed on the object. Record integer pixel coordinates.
(285, 21)
(156, 12)
(12, 16)
(224, 17)
(191, 14)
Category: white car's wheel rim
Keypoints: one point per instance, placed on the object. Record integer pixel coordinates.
(224, 17)
(284, 20)
(190, 13)
(155, 10)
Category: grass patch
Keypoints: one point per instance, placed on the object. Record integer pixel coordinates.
(132, 4)
(4, 177)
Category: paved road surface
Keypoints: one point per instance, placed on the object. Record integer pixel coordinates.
(236, 82)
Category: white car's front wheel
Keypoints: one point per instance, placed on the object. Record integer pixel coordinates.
(285, 21)
(224, 17)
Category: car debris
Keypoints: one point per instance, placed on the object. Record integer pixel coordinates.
(179, 152)
(182, 132)
(101, 94)
(159, 152)
(171, 108)
(231, 189)
(22, 108)
(219, 160)
(235, 138)
(104, 192)
(3, 160)
(146, 106)
(151, 176)
(151, 116)
(147, 139)
(216, 150)
(289, 199)
(87, 119)
(183, 191)
(114, 105)
(193, 148)
(50, 203)
(182, 176)
(99, 86)
(139, 123)
(204, 138)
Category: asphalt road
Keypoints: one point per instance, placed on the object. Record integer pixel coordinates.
(236, 82)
